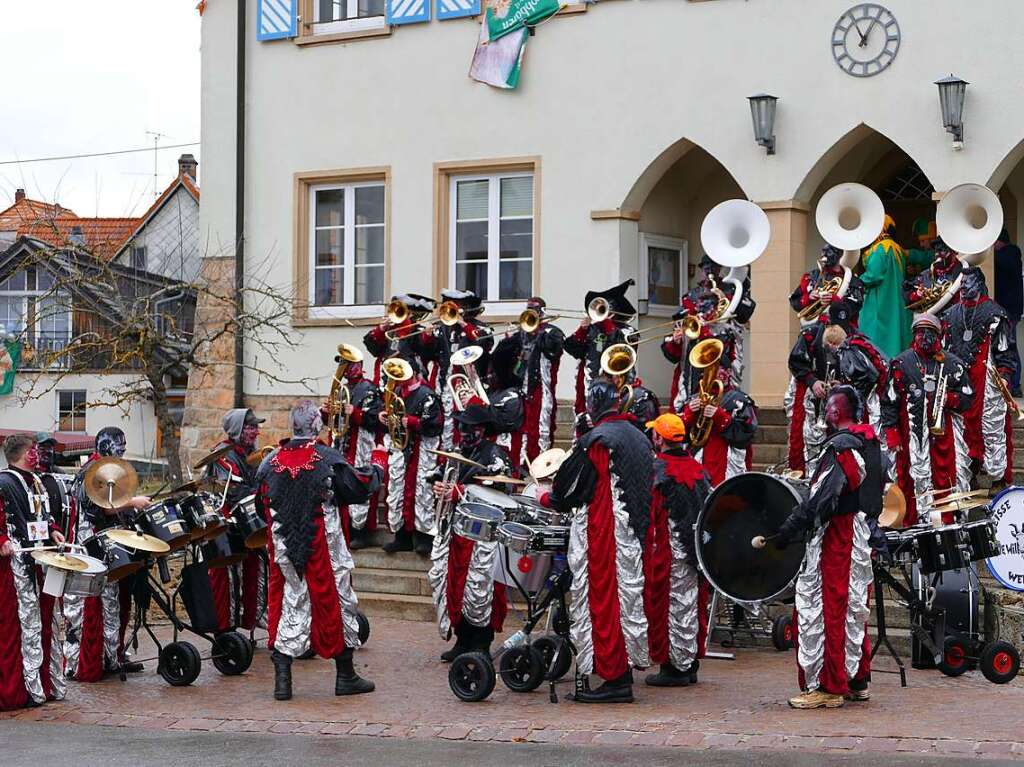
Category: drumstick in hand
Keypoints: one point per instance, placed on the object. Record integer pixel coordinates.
(760, 541)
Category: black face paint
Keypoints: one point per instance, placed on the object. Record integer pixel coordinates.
(111, 441)
(973, 286)
(926, 340)
(46, 454)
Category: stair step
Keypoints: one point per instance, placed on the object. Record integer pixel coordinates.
(772, 416)
(771, 434)
(388, 581)
(406, 607)
(399, 561)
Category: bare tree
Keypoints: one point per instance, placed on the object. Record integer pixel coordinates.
(145, 329)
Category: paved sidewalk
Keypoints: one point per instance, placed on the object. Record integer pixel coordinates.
(738, 705)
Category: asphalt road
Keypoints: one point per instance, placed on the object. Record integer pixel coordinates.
(31, 744)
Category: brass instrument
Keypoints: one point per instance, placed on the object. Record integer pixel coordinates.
(829, 382)
(255, 458)
(396, 370)
(936, 422)
(616, 362)
(929, 296)
(397, 312)
(706, 356)
(1011, 403)
(826, 291)
(340, 397)
(465, 386)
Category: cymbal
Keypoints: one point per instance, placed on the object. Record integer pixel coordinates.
(131, 539)
(212, 457)
(547, 463)
(110, 482)
(60, 560)
(894, 507)
(456, 457)
(500, 478)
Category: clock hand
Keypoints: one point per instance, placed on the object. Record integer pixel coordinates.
(864, 38)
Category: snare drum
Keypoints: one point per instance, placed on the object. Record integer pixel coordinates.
(88, 582)
(900, 547)
(477, 521)
(491, 497)
(192, 509)
(118, 560)
(981, 539)
(941, 549)
(161, 520)
(531, 511)
(550, 539)
(516, 536)
(224, 550)
(249, 524)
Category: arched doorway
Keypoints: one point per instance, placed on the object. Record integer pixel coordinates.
(668, 203)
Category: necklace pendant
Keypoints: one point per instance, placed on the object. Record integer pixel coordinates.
(968, 334)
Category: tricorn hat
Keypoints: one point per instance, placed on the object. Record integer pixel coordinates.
(616, 298)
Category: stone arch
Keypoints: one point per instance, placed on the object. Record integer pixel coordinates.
(658, 167)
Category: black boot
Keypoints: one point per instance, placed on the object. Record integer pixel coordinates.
(668, 676)
(282, 676)
(618, 690)
(402, 542)
(424, 543)
(358, 539)
(463, 635)
(348, 682)
(481, 639)
(693, 671)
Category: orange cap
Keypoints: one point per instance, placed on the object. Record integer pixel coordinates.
(669, 426)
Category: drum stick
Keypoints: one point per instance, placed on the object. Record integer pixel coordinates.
(760, 541)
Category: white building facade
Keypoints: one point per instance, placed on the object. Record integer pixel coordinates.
(375, 166)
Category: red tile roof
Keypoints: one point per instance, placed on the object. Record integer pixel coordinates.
(54, 225)
(26, 211)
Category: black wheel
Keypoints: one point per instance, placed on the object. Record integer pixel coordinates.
(364, 628)
(471, 676)
(782, 633)
(522, 669)
(556, 656)
(232, 653)
(179, 664)
(1000, 662)
(954, 657)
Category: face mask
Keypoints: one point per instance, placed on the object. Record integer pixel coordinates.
(45, 459)
(111, 443)
(249, 436)
(926, 341)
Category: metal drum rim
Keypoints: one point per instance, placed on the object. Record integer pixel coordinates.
(698, 548)
(991, 505)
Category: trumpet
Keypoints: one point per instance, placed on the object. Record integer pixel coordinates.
(827, 290)
(706, 356)
(1000, 384)
(396, 370)
(465, 386)
(340, 397)
(829, 383)
(937, 426)
(616, 362)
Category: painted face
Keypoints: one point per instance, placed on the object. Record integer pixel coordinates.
(471, 435)
(973, 286)
(354, 372)
(31, 459)
(250, 433)
(836, 411)
(926, 340)
(111, 442)
(45, 452)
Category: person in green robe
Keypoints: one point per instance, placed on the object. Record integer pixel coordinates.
(884, 318)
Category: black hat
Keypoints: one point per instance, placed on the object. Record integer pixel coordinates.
(45, 438)
(616, 298)
(467, 300)
(842, 312)
(476, 415)
(416, 302)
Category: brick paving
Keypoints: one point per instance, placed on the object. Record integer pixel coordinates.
(737, 705)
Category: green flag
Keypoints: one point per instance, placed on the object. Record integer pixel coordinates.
(510, 15)
(499, 63)
(10, 356)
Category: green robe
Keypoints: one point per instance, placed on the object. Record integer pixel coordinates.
(884, 318)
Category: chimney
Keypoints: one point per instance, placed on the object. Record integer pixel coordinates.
(19, 195)
(187, 165)
(77, 237)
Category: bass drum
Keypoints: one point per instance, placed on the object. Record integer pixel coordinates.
(1007, 515)
(738, 510)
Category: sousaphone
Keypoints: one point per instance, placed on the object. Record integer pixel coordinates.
(735, 233)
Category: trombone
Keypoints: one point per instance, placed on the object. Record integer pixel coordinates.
(397, 313)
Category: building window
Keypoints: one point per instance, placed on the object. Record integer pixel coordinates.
(662, 272)
(491, 235)
(333, 16)
(71, 410)
(29, 310)
(341, 244)
(138, 257)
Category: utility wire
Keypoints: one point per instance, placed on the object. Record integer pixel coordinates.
(97, 154)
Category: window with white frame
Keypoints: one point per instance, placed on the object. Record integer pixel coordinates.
(347, 244)
(663, 278)
(71, 410)
(332, 16)
(28, 310)
(491, 238)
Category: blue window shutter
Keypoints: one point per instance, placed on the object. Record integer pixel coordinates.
(457, 9)
(407, 11)
(276, 19)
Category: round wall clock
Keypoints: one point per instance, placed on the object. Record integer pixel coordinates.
(865, 40)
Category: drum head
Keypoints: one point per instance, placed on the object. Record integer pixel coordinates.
(739, 509)
(490, 496)
(481, 511)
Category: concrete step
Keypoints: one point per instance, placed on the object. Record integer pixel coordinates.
(771, 416)
(771, 435)
(769, 453)
(408, 607)
(401, 561)
(387, 581)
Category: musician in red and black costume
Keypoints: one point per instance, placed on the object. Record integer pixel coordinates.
(676, 349)
(245, 580)
(311, 603)
(832, 590)
(96, 633)
(404, 339)
(828, 268)
(31, 656)
(440, 340)
(944, 268)
(534, 359)
(470, 604)
(365, 434)
(927, 461)
(675, 594)
(859, 362)
(605, 483)
(729, 450)
(509, 406)
(590, 340)
(977, 330)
